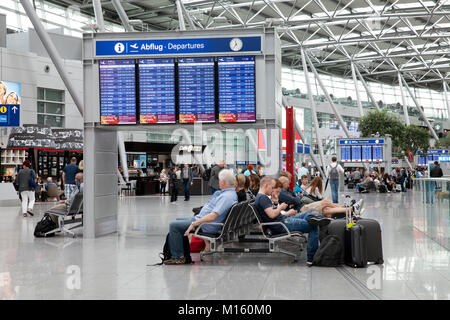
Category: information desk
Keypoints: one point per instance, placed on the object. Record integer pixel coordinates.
(146, 186)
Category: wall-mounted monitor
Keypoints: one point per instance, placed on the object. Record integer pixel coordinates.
(366, 153)
(157, 91)
(196, 90)
(346, 154)
(356, 153)
(117, 92)
(378, 153)
(237, 96)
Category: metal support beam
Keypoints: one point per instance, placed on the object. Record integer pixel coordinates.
(98, 15)
(358, 98)
(330, 101)
(187, 15)
(53, 53)
(313, 109)
(180, 15)
(122, 15)
(433, 133)
(405, 107)
(445, 85)
(123, 155)
(372, 99)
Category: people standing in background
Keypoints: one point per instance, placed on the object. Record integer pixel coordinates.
(249, 170)
(173, 185)
(214, 177)
(303, 171)
(68, 177)
(187, 181)
(163, 178)
(260, 171)
(436, 171)
(334, 170)
(26, 190)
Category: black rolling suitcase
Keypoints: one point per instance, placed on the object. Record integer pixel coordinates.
(355, 245)
(374, 243)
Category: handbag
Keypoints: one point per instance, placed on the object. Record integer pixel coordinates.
(32, 181)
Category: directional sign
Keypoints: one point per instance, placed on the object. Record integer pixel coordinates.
(9, 115)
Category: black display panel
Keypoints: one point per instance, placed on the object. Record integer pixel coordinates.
(237, 100)
(367, 153)
(157, 91)
(346, 154)
(196, 90)
(117, 92)
(356, 153)
(377, 153)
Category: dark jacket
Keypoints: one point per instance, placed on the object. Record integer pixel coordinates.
(190, 176)
(287, 197)
(214, 178)
(23, 180)
(436, 172)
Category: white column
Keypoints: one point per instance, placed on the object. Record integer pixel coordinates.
(313, 110)
(358, 98)
(445, 85)
(405, 107)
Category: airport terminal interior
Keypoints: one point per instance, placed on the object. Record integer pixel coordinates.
(293, 150)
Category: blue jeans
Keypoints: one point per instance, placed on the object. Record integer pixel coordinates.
(358, 186)
(177, 229)
(187, 188)
(300, 223)
(334, 185)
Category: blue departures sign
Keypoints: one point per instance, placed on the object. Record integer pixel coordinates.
(178, 46)
(9, 115)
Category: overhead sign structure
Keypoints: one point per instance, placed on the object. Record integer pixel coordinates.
(365, 150)
(9, 115)
(177, 46)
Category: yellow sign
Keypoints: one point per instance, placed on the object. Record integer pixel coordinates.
(3, 109)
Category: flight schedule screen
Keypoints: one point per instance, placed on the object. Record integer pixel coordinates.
(196, 90)
(346, 154)
(117, 92)
(366, 153)
(356, 153)
(236, 89)
(157, 91)
(377, 153)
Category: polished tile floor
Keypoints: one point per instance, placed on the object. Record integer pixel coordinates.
(415, 243)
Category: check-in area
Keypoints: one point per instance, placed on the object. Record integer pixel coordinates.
(224, 150)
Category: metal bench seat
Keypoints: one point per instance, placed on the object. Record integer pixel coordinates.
(70, 216)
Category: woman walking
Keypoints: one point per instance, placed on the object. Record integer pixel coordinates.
(163, 178)
(26, 180)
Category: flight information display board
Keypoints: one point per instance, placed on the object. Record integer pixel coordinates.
(366, 153)
(377, 153)
(157, 91)
(117, 92)
(356, 153)
(346, 155)
(196, 89)
(236, 89)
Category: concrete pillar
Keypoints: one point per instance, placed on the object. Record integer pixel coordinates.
(100, 182)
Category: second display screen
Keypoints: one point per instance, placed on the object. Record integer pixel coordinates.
(184, 90)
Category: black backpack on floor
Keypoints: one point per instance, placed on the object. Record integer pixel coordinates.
(329, 252)
(45, 225)
(165, 255)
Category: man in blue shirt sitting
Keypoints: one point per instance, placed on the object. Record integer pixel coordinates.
(215, 210)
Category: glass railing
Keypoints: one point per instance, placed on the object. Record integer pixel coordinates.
(393, 108)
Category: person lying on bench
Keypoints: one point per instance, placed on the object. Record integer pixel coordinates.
(215, 210)
(307, 222)
(329, 209)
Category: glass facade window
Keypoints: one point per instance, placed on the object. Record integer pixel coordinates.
(50, 107)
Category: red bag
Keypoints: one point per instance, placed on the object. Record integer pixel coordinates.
(197, 244)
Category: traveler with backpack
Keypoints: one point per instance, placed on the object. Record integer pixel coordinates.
(26, 181)
(215, 210)
(333, 172)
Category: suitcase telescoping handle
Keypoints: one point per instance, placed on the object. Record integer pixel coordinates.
(348, 211)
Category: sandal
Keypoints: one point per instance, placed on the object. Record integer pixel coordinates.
(25, 215)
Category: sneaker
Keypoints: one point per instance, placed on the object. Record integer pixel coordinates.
(357, 207)
(173, 261)
(319, 221)
(309, 263)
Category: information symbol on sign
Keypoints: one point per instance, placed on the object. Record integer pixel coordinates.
(3, 109)
(119, 47)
